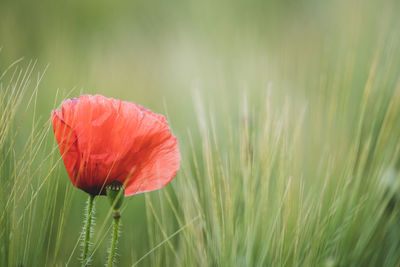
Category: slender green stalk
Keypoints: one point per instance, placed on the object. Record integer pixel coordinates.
(114, 239)
(88, 229)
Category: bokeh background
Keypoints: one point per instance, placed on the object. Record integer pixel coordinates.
(171, 55)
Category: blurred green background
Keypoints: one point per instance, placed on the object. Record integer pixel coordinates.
(151, 51)
(165, 55)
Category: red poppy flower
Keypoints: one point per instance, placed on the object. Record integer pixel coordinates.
(102, 140)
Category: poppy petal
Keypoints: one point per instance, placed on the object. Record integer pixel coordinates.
(115, 140)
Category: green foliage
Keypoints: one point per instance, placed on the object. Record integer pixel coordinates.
(290, 147)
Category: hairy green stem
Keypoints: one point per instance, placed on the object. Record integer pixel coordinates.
(87, 229)
(114, 239)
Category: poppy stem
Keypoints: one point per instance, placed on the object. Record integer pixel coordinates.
(111, 256)
(115, 193)
(88, 229)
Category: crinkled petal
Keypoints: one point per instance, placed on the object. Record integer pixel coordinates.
(115, 140)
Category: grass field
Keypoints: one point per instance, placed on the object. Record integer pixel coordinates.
(287, 115)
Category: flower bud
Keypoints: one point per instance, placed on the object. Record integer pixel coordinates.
(115, 194)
